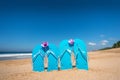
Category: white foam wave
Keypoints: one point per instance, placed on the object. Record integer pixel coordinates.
(15, 55)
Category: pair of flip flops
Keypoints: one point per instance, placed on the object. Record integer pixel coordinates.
(60, 57)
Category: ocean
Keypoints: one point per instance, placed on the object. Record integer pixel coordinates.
(14, 56)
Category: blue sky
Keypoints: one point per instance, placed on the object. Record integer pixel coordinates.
(26, 23)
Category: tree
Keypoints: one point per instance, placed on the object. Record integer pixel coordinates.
(116, 45)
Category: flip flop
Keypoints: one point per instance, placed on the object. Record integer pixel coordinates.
(81, 54)
(65, 56)
(38, 59)
(52, 55)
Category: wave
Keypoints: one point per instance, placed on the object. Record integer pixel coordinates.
(15, 55)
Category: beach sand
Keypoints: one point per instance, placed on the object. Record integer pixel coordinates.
(103, 65)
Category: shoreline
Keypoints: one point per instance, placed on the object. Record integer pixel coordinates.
(15, 56)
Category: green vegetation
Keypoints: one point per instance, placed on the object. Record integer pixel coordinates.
(106, 48)
(115, 45)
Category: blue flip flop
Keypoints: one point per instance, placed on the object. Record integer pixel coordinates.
(81, 54)
(52, 55)
(65, 56)
(38, 59)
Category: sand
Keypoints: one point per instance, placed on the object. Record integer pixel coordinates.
(103, 65)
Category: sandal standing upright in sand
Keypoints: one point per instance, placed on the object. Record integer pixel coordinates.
(52, 55)
(81, 54)
(65, 56)
(38, 59)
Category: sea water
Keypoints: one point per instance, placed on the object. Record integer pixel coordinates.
(14, 56)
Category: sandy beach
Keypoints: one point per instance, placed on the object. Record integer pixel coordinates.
(103, 65)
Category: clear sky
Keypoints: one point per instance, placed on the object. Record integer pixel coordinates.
(26, 23)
